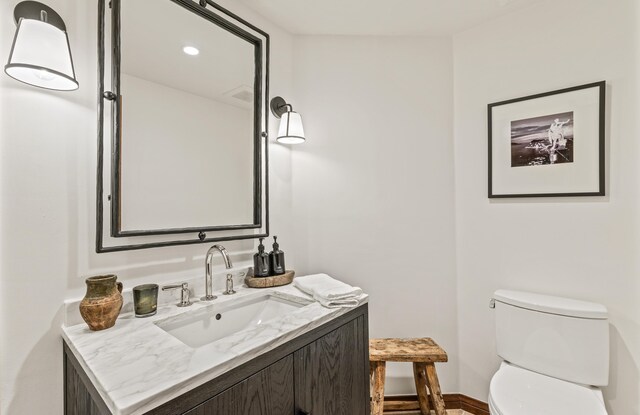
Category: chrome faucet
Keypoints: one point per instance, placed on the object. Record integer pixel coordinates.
(208, 282)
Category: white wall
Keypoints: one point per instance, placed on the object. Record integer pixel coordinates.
(373, 184)
(160, 125)
(47, 179)
(585, 248)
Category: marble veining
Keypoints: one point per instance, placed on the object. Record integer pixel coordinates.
(136, 366)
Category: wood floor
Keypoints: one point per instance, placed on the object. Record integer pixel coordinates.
(458, 404)
(449, 412)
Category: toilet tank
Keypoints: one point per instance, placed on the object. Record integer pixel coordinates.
(560, 337)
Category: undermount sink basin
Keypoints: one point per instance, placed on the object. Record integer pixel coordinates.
(215, 322)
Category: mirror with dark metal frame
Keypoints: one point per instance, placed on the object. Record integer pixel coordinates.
(186, 114)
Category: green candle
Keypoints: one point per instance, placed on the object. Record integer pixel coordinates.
(145, 299)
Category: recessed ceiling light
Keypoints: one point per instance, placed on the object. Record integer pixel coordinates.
(190, 50)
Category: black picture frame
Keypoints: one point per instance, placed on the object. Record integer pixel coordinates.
(532, 128)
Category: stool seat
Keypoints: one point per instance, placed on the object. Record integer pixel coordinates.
(423, 353)
(406, 350)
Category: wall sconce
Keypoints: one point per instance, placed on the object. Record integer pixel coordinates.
(291, 131)
(40, 54)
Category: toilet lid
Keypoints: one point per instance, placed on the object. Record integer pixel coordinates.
(517, 391)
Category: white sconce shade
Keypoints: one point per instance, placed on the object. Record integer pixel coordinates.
(291, 130)
(41, 56)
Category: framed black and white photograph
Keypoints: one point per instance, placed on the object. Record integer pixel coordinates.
(549, 144)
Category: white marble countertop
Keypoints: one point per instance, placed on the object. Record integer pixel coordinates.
(136, 366)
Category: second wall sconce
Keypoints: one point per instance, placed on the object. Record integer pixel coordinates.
(291, 130)
(40, 54)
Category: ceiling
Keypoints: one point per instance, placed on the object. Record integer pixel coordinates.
(382, 17)
(152, 49)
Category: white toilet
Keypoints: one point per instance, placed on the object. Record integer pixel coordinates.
(555, 355)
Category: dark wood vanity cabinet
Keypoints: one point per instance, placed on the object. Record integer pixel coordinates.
(329, 374)
(322, 372)
(269, 391)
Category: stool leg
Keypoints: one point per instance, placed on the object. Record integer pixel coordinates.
(420, 377)
(434, 387)
(377, 371)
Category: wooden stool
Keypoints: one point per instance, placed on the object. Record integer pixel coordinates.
(423, 353)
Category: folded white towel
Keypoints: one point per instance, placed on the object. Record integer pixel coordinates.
(328, 291)
(352, 302)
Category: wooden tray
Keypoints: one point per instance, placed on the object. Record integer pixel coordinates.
(266, 282)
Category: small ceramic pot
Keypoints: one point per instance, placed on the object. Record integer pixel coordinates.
(102, 303)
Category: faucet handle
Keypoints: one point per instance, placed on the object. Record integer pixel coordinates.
(184, 293)
(230, 289)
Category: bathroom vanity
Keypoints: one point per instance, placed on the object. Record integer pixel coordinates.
(290, 356)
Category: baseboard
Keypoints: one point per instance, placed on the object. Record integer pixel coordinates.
(451, 401)
(473, 406)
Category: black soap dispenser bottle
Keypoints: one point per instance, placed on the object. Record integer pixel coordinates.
(261, 262)
(276, 257)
